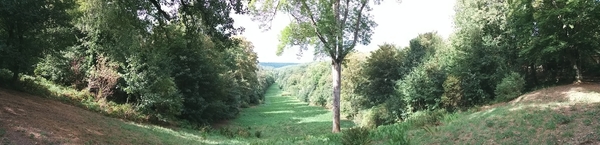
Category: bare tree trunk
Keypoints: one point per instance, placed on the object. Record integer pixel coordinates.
(578, 76)
(336, 72)
(574, 60)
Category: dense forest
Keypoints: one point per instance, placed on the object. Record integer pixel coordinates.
(498, 51)
(132, 58)
(184, 63)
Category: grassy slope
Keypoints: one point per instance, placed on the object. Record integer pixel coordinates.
(557, 115)
(28, 119)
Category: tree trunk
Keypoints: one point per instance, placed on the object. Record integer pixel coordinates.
(533, 74)
(576, 67)
(336, 72)
(15, 77)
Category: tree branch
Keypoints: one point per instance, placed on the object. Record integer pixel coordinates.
(314, 23)
(345, 14)
(357, 26)
(157, 5)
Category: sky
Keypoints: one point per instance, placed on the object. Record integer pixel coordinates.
(397, 24)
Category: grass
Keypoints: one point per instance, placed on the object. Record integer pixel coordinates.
(283, 116)
(505, 125)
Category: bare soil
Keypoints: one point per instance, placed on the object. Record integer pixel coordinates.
(565, 93)
(28, 119)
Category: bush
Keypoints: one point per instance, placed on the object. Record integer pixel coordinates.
(376, 116)
(452, 97)
(368, 118)
(422, 88)
(426, 118)
(356, 136)
(510, 87)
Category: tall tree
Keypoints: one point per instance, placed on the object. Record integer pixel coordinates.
(560, 30)
(383, 68)
(27, 28)
(332, 27)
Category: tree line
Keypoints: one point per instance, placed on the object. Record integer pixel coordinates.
(167, 60)
(498, 51)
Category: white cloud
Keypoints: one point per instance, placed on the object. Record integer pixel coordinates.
(397, 24)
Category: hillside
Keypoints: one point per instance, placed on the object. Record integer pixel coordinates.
(556, 115)
(28, 119)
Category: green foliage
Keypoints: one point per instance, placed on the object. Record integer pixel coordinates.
(393, 134)
(356, 136)
(564, 33)
(382, 69)
(452, 97)
(426, 118)
(481, 34)
(376, 116)
(422, 88)
(165, 66)
(53, 68)
(510, 87)
(311, 83)
(30, 29)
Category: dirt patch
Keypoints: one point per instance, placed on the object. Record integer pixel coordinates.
(566, 93)
(28, 119)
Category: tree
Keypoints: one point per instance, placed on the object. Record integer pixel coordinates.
(333, 28)
(27, 28)
(560, 30)
(382, 69)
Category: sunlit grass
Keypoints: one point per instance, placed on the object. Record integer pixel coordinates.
(283, 116)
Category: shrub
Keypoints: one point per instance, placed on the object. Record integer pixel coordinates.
(356, 136)
(373, 117)
(422, 88)
(427, 117)
(452, 97)
(104, 78)
(55, 69)
(367, 118)
(510, 87)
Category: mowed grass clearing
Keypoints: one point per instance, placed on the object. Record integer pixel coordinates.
(283, 116)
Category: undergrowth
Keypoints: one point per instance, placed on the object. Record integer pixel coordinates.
(41, 87)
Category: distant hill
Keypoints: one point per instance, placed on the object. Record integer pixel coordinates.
(276, 64)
